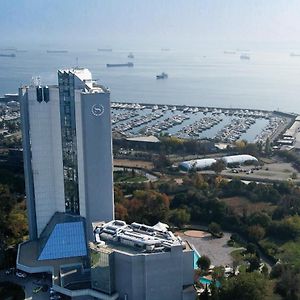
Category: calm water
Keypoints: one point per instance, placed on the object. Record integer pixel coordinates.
(267, 81)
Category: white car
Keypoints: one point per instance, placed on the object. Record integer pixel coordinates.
(21, 274)
(55, 297)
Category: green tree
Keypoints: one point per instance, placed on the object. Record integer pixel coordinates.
(289, 285)
(251, 248)
(180, 216)
(256, 233)
(218, 166)
(214, 228)
(245, 286)
(254, 263)
(203, 263)
(147, 206)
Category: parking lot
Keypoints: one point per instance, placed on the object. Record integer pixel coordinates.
(275, 171)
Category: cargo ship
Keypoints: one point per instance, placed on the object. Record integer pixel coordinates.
(229, 52)
(104, 49)
(7, 55)
(163, 75)
(57, 51)
(129, 64)
(245, 56)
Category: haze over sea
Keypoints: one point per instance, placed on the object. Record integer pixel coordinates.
(269, 80)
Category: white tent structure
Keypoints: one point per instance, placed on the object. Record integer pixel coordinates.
(197, 164)
(238, 159)
(206, 163)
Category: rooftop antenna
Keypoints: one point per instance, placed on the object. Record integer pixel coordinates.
(36, 81)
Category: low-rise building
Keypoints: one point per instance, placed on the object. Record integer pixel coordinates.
(133, 262)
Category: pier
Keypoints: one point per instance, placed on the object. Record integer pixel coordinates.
(197, 122)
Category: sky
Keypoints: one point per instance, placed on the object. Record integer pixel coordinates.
(148, 24)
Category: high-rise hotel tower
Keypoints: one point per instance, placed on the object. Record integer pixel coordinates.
(67, 150)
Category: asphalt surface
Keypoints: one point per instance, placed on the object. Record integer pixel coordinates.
(269, 172)
(28, 284)
(215, 248)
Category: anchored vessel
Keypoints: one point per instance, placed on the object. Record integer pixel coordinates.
(163, 75)
(104, 49)
(129, 64)
(57, 51)
(7, 55)
(245, 56)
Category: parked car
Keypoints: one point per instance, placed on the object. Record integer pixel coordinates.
(21, 274)
(37, 289)
(55, 297)
(10, 271)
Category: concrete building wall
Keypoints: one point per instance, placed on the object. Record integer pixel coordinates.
(153, 276)
(97, 157)
(30, 199)
(187, 266)
(46, 157)
(80, 154)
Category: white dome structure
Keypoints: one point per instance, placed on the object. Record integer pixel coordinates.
(238, 159)
(197, 164)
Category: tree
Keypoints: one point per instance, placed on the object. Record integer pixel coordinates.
(215, 229)
(289, 285)
(161, 162)
(245, 286)
(180, 217)
(218, 166)
(147, 206)
(203, 263)
(256, 233)
(254, 264)
(268, 148)
(251, 248)
(121, 212)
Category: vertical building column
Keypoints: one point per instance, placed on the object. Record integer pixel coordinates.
(29, 184)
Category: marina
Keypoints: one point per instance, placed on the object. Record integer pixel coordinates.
(219, 124)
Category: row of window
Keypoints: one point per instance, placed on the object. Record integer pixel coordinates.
(42, 94)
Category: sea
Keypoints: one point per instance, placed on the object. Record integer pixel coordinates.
(268, 80)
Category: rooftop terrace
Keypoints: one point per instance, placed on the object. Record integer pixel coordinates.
(136, 237)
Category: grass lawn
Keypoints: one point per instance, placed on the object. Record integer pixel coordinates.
(237, 255)
(241, 204)
(135, 179)
(11, 291)
(129, 176)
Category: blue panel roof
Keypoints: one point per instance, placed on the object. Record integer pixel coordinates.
(66, 240)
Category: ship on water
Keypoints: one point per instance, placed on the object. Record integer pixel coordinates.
(7, 55)
(104, 49)
(163, 75)
(57, 51)
(229, 52)
(129, 64)
(130, 55)
(294, 54)
(245, 56)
